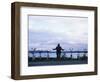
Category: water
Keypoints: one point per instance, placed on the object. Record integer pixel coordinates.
(53, 55)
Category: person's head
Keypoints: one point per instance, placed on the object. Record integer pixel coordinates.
(58, 44)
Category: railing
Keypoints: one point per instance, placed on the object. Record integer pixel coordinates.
(64, 54)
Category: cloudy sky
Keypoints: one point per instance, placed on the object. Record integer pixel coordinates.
(45, 32)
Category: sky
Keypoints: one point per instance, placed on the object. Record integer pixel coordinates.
(45, 32)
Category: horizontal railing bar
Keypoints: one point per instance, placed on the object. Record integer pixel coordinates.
(55, 51)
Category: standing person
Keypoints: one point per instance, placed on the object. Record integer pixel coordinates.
(58, 51)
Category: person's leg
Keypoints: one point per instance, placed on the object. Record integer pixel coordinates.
(56, 55)
(59, 56)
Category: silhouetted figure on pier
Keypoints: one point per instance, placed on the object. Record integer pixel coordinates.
(58, 51)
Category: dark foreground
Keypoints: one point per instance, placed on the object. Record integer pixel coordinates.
(49, 62)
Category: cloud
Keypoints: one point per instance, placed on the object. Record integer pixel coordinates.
(47, 31)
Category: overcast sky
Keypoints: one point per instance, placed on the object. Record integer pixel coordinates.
(45, 32)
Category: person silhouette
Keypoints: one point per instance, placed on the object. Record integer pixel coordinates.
(58, 51)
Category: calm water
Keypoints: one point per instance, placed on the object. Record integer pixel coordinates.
(53, 55)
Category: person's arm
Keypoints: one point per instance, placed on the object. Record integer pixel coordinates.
(54, 48)
(62, 49)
